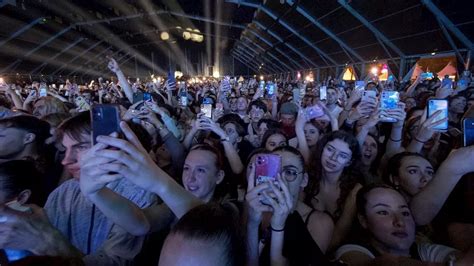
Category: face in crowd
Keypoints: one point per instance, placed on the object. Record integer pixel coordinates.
(387, 217)
(201, 174)
(414, 173)
(336, 156)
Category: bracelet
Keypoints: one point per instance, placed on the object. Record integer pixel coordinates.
(277, 230)
(394, 140)
(417, 140)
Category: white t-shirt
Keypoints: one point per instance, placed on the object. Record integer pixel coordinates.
(427, 252)
(336, 111)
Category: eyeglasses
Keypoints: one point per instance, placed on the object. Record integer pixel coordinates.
(290, 175)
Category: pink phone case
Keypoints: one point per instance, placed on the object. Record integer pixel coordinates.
(267, 167)
(314, 111)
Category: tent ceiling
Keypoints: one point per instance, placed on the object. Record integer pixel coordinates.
(276, 26)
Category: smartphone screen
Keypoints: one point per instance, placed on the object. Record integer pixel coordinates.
(360, 85)
(314, 111)
(171, 81)
(435, 105)
(389, 101)
(427, 75)
(147, 96)
(206, 108)
(43, 90)
(183, 100)
(138, 97)
(323, 93)
(105, 120)
(270, 90)
(468, 128)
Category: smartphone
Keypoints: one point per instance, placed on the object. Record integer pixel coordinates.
(435, 105)
(323, 93)
(147, 97)
(206, 107)
(468, 129)
(447, 82)
(82, 104)
(427, 75)
(296, 96)
(105, 120)
(314, 111)
(368, 96)
(138, 97)
(360, 85)
(389, 101)
(171, 81)
(43, 91)
(270, 90)
(267, 168)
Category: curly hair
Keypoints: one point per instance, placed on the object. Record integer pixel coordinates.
(348, 178)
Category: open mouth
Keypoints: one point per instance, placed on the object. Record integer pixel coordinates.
(400, 234)
(192, 188)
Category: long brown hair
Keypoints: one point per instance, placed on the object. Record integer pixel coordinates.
(347, 180)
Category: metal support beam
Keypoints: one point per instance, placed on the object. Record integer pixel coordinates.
(375, 31)
(30, 52)
(266, 10)
(20, 31)
(448, 24)
(279, 61)
(254, 57)
(451, 41)
(76, 57)
(274, 35)
(88, 60)
(311, 17)
(259, 69)
(261, 55)
(234, 55)
(56, 55)
(276, 48)
(250, 60)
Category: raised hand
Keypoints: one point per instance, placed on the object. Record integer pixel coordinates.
(93, 179)
(426, 129)
(131, 160)
(113, 65)
(282, 204)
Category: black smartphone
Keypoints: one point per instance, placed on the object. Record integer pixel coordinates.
(105, 120)
(138, 96)
(468, 131)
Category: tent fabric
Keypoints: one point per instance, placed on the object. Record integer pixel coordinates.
(449, 70)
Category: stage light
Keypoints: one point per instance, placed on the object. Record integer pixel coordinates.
(164, 36)
(384, 69)
(216, 74)
(298, 76)
(186, 35)
(433, 53)
(261, 77)
(374, 71)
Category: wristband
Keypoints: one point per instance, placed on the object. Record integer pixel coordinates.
(395, 140)
(417, 140)
(277, 230)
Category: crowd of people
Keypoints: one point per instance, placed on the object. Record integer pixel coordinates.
(235, 171)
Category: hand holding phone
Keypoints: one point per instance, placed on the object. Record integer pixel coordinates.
(389, 101)
(468, 131)
(435, 105)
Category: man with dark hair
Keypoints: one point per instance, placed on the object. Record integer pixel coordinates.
(76, 228)
(22, 137)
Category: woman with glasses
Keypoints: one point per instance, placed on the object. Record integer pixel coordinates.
(333, 188)
(282, 229)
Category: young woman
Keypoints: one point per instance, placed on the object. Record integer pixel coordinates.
(386, 216)
(333, 187)
(293, 233)
(274, 138)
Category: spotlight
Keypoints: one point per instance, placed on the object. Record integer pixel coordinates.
(164, 36)
(186, 35)
(261, 77)
(433, 53)
(374, 71)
